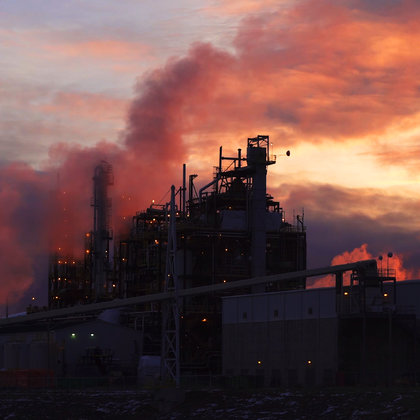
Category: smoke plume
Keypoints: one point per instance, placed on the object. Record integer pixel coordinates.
(318, 71)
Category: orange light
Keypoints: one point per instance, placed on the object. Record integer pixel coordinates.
(226, 249)
(33, 297)
(346, 293)
(87, 251)
(204, 320)
(114, 285)
(224, 281)
(87, 235)
(309, 362)
(259, 362)
(385, 294)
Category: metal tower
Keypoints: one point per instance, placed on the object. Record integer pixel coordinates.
(103, 177)
(258, 157)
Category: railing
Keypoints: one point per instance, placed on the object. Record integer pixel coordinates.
(387, 273)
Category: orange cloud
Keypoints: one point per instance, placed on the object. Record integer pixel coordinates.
(241, 7)
(405, 155)
(100, 49)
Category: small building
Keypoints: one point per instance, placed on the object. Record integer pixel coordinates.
(72, 348)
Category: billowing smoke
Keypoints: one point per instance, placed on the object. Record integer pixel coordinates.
(48, 211)
(319, 71)
(389, 261)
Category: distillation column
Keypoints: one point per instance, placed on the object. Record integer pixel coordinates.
(103, 177)
(257, 159)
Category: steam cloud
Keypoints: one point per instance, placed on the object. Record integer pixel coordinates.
(320, 71)
(396, 262)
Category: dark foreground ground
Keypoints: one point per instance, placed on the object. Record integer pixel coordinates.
(337, 403)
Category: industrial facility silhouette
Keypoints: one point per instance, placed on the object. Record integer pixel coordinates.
(212, 283)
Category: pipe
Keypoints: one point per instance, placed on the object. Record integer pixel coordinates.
(216, 179)
(192, 291)
(184, 187)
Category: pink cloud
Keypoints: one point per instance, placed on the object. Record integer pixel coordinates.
(96, 107)
(320, 70)
(100, 49)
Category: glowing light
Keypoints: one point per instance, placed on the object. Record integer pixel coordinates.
(33, 297)
(224, 281)
(226, 249)
(346, 293)
(156, 242)
(114, 285)
(92, 334)
(204, 320)
(73, 335)
(87, 251)
(259, 362)
(87, 235)
(385, 294)
(309, 362)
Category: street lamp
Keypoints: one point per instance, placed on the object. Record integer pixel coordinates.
(390, 254)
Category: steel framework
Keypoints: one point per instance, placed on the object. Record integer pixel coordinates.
(170, 366)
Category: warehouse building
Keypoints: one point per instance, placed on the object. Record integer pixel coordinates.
(321, 337)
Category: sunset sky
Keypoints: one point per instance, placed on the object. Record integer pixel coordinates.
(149, 85)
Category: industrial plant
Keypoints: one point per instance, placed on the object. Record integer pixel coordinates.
(213, 282)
